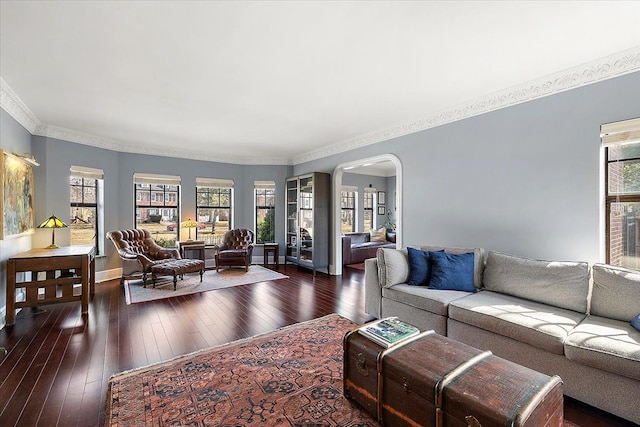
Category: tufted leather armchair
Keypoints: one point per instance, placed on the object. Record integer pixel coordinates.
(139, 252)
(236, 249)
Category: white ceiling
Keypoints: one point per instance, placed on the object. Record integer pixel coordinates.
(285, 82)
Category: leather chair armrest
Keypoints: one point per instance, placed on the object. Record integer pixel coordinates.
(391, 236)
(145, 261)
(346, 250)
(164, 253)
(126, 254)
(250, 251)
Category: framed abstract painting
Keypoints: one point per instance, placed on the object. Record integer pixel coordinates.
(16, 197)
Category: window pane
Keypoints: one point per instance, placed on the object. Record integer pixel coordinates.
(76, 194)
(90, 194)
(83, 225)
(624, 177)
(624, 234)
(368, 220)
(265, 219)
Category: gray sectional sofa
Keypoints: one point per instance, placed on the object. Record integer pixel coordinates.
(569, 319)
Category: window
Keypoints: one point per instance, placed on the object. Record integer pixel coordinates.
(265, 218)
(214, 209)
(369, 203)
(622, 192)
(348, 209)
(86, 202)
(157, 206)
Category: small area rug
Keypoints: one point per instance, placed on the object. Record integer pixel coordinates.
(288, 377)
(211, 280)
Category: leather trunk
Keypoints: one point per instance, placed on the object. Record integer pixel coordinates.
(432, 380)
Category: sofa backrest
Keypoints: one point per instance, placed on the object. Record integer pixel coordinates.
(560, 284)
(357, 237)
(616, 292)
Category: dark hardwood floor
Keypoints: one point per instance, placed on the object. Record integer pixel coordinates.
(59, 362)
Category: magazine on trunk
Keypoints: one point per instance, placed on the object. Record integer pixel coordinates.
(389, 331)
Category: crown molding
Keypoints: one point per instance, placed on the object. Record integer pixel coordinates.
(618, 64)
(602, 69)
(12, 104)
(70, 135)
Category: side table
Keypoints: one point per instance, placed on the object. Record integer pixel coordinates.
(191, 246)
(56, 286)
(271, 248)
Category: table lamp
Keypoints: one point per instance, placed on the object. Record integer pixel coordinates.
(53, 222)
(189, 224)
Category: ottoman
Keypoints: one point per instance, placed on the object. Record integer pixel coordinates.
(177, 267)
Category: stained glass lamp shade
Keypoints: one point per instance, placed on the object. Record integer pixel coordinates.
(53, 222)
(189, 224)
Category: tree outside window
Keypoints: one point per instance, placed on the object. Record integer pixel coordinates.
(347, 210)
(369, 214)
(265, 202)
(85, 208)
(213, 212)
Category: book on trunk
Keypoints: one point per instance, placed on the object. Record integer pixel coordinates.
(389, 331)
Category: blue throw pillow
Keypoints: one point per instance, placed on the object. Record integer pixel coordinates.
(419, 269)
(452, 271)
(635, 322)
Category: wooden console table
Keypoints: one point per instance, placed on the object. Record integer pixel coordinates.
(62, 267)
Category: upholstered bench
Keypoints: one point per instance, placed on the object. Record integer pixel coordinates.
(177, 267)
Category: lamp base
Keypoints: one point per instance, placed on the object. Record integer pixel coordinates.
(52, 246)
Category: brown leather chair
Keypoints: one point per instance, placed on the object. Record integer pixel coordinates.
(236, 249)
(139, 252)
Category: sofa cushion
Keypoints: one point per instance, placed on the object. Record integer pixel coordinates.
(607, 344)
(393, 266)
(478, 259)
(431, 300)
(616, 292)
(542, 326)
(452, 271)
(561, 284)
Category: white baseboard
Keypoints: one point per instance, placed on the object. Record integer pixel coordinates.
(105, 275)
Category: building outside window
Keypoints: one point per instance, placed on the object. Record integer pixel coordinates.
(369, 204)
(157, 206)
(265, 213)
(622, 192)
(214, 209)
(87, 207)
(348, 209)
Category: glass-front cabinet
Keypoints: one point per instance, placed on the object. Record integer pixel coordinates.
(307, 224)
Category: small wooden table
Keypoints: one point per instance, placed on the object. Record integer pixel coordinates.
(59, 280)
(191, 245)
(271, 248)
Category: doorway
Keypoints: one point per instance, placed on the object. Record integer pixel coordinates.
(377, 162)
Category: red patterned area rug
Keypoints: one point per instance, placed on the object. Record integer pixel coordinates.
(292, 376)
(289, 377)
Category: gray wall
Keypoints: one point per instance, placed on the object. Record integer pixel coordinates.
(523, 180)
(13, 138)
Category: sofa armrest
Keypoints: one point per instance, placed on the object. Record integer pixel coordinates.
(391, 236)
(372, 288)
(346, 250)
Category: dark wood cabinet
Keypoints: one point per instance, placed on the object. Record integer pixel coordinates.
(307, 208)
